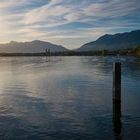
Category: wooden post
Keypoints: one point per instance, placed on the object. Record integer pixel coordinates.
(117, 82)
(117, 97)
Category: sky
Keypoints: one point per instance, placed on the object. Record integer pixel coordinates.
(70, 23)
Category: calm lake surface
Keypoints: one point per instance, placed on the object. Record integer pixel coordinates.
(67, 98)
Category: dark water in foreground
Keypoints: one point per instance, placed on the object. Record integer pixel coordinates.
(66, 98)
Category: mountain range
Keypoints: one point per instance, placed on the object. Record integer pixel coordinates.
(106, 42)
(113, 42)
(35, 46)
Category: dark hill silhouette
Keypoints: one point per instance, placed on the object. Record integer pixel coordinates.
(113, 42)
(35, 46)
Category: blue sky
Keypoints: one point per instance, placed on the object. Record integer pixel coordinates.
(70, 23)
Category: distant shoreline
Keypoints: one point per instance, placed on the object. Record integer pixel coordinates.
(125, 52)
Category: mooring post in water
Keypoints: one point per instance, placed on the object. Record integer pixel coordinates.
(117, 82)
(117, 97)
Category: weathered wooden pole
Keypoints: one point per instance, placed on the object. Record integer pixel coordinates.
(117, 82)
(117, 97)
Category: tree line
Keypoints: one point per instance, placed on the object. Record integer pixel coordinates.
(130, 52)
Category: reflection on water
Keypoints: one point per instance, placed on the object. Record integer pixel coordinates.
(117, 120)
(67, 98)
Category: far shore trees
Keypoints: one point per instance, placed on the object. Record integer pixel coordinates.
(137, 50)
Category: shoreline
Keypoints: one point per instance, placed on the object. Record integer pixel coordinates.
(44, 55)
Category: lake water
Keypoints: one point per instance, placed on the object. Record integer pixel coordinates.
(67, 98)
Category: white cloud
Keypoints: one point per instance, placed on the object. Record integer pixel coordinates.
(13, 3)
(46, 14)
(114, 8)
(59, 12)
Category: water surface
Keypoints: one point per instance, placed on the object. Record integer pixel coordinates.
(66, 98)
